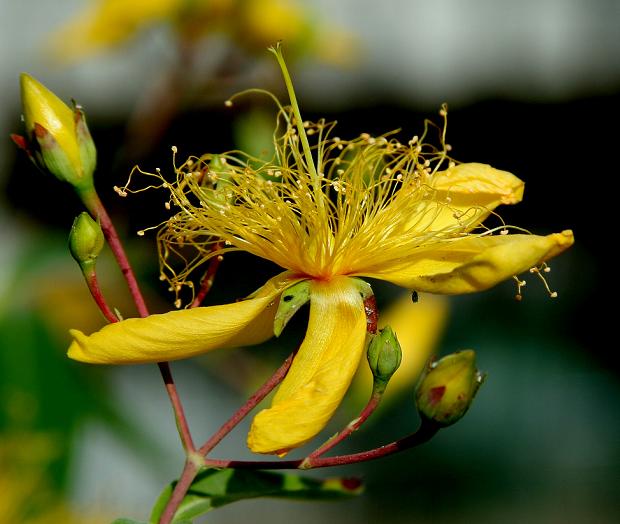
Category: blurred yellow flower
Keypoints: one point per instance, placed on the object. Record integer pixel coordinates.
(371, 206)
(27, 497)
(251, 24)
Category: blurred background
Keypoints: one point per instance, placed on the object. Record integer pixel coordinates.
(533, 87)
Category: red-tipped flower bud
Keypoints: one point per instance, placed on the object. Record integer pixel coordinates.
(448, 388)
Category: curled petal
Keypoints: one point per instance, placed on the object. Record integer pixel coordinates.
(321, 372)
(183, 334)
(471, 192)
(473, 263)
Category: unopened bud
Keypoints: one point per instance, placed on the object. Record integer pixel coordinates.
(57, 137)
(85, 240)
(384, 355)
(449, 387)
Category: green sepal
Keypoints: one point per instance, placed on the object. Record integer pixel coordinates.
(213, 488)
(363, 287)
(291, 300)
(88, 151)
(49, 156)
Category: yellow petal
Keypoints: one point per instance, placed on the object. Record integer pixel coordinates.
(472, 263)
(418, 327)
(321, 372)
(471, 191)
(43, 107)
(185, 333)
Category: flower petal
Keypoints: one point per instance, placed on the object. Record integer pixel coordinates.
(472, 263)
(185, 333)
(472, 191)
(321, 372)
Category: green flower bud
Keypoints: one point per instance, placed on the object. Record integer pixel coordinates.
(384, 354)
(57, 137)
(85, 240)
(291, 300)
(448, 388)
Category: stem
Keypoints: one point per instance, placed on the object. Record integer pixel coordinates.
(97, 210)
(207, 280)
(91, 200)
(353, 426)
(251, 403)
(90, 275)
(424, 433)
(177, 407)
(185, 481)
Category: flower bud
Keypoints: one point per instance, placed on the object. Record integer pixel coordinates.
(384, 355)
(448, 388)
(85, 240)
(57, 137)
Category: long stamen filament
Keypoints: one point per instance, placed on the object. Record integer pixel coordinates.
(316, 182)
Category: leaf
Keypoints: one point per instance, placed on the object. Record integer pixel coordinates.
(213, 488)
(128, 521)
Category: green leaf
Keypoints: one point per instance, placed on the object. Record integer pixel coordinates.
(128, 521)
(213, 488)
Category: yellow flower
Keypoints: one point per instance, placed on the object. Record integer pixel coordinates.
(250, 24)
(327, 214)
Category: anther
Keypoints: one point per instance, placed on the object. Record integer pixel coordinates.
(228, 103)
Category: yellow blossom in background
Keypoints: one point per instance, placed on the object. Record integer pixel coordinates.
(326, 213)
(27, 497)
(250, 24)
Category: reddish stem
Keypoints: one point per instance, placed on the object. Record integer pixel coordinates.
(90, 275)
(207, 280)
(426, 431)
(91, 200)
(252, 402)
(97, 210)
(372, 314)
(183, 484)
(177, 406)
(353, 426)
